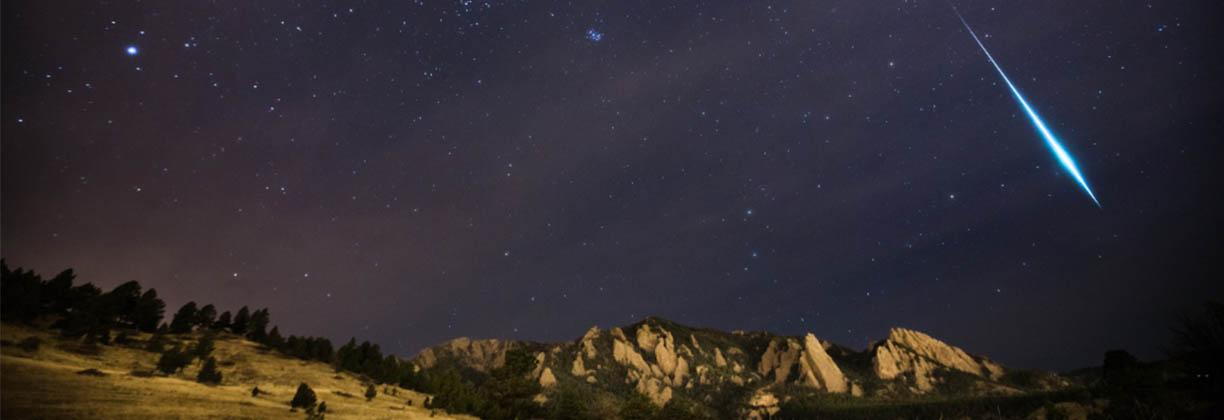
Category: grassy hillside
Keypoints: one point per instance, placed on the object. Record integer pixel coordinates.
(65, 379)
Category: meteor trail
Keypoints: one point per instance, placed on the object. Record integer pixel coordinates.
(1052, 142)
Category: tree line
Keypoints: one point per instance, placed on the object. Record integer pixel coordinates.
(85, 311)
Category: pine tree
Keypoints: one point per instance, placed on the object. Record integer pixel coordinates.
(258, 325)
(275, 341)
(241, 319)
(371, 392)
(184, 319)
(304, 398)
(20, 295)
(149, 311)
(209, 373)
(120, 304)
(347, 357)
(206, 316)
(223, 321)
(205, 346)
(55, 292)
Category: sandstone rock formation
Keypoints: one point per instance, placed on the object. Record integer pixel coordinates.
(660, 360)
(547, 379)
(588, 343)
(908, 351)
(481, 355)
(656, 391)
(654, 379)
(762, 405)
(719, 360)
(818, 368)
(815, 368)
(578, 366)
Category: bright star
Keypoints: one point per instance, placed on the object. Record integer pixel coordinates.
(132, 50)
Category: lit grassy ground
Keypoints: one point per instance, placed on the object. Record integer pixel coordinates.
(45, 384)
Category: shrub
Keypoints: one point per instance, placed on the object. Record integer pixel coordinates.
(304, 398)
(322, 407)
(172, 361)
(371, 393)
(209, 373)
(91, 372)
(30, 344)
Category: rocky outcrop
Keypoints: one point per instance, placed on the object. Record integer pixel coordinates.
(808, 363)
(762, 405)
(655, 390)
(661, 360)
(779, 359)
(578, 366)
(818, 368)
(669, 369)
(912, 352)
(541, 363)
(588, 343)
(481, 355)
(625, 354)
(547, 379)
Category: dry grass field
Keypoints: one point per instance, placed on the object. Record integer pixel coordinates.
(49, 383)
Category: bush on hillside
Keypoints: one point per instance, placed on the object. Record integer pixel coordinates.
(209, 373)
(91, 372)
(173, 360)
(304, 398)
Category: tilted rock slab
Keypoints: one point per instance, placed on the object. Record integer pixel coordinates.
(908, 351)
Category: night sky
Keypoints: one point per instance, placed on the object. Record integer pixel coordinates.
(409, 172)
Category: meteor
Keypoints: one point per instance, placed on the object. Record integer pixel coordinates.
(1051, 141)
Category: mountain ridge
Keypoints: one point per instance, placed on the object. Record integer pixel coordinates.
(662, 359)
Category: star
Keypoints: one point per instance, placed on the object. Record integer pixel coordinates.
(132, 50)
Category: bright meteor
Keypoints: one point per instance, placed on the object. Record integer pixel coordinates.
(1052, 142)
